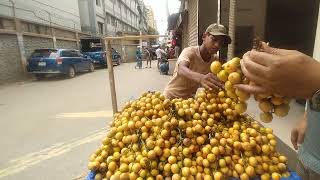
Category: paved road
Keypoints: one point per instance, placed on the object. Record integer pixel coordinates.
(49, 128)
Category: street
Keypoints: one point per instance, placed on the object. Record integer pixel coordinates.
(49, 128)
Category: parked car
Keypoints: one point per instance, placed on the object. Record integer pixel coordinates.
(58, 61)
(93, 47)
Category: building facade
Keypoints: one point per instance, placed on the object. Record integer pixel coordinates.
(33, 24)
(59, 13)
(107, 17)
(285, 24)
(150, 18)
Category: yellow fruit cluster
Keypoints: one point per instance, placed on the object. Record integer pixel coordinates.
(272, 104)
(230, 73)
(197, 138)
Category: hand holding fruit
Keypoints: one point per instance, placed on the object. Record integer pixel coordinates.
(286, 72)
(210, 81)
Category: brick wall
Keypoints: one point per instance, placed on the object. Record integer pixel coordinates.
(32, 43)
(66, 44)
(10, 64)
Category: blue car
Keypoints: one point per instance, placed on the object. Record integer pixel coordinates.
(58, 61)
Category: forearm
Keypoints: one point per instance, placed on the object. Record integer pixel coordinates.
(186, 72)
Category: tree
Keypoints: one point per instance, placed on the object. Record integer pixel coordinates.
(152, 31)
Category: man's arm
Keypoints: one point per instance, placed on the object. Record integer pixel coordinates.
(298, 132)
(208, 81)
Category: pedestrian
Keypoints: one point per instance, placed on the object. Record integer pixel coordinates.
(294, 74)
(160, 55)
(148, 57)
(139, 58)
(193, 65)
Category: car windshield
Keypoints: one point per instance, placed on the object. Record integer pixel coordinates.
(44, 53)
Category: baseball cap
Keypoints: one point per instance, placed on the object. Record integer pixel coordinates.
(219, 30)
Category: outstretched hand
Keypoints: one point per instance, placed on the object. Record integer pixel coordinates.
(286, 72)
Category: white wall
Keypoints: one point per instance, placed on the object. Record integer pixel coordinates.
(64, 13)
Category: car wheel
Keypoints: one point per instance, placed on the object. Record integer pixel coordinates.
(71, 72)
(40, 76)
(91, 67)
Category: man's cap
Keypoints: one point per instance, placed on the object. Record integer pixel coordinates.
(219, 30)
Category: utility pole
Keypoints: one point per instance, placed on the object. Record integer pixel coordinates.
(232, 12)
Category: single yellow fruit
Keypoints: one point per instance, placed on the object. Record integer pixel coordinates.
(265, 176)
(218, 175)
(283, 159)
(235, 61)
(243, 96)
(253, 161)
(231, 94)
(241, 107)
(244, 176)
(230, 67)
(275, 176)
(266, 117)
(277, 100)
(282, 110)
(250, 171)
(234, 78)
(265, 106)
(228, 86)
(215, 67)
(223, 75)
(239, 168)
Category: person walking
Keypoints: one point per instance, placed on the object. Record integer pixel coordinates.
(139, 58)
(148, 57)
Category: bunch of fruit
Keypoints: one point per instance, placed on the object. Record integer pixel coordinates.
(230, 73)
(206, 137)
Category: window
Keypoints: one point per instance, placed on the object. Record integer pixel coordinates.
(119, 4)
(113, 21)
(98, 3)
(116, 23)
(74, 53)
(66, 54)
(1, 24)
(115, 2)
(100, 27)
(108, 19)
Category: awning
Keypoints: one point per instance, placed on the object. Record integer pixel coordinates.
(175, 20)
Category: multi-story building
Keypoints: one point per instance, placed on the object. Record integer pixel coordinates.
(107, 17)
(58, 13)
(150, 18)
(33, 24)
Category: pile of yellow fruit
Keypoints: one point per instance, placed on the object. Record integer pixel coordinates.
(230, 73)
(205, 137)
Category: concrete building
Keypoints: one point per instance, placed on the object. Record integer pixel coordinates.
(59, 13)
(33, 24)
(107, 17)
(150, 18)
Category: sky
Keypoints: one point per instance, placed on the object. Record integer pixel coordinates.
(159, 9)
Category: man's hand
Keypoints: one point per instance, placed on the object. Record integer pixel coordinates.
(298, 132)
(280, 71)
(210, 81)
